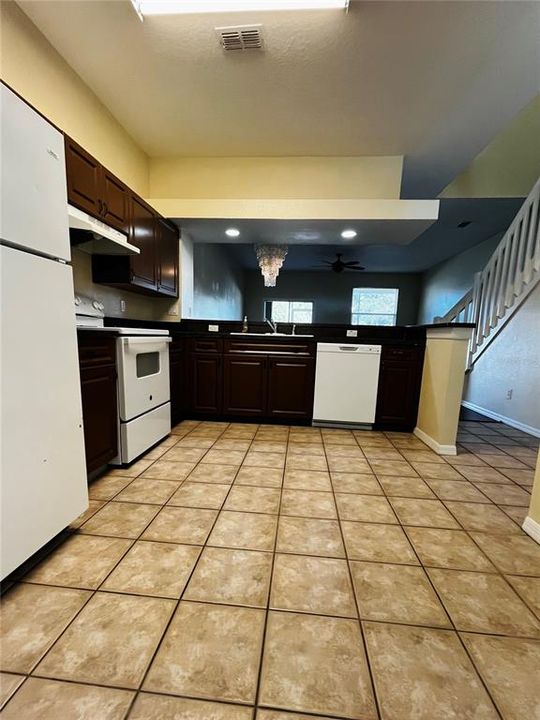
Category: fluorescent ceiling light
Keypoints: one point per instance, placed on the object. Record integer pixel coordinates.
(192, 7)
(232, 232)
(348, 234)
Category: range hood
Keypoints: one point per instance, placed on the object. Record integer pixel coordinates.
(95, 237)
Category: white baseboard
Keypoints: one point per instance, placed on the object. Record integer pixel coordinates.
(532, 528)
(502, 418)
(433, 444)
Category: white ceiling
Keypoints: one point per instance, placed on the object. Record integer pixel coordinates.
(434, 81)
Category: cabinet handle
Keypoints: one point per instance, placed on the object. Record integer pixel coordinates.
(105, 208)
(100, 207)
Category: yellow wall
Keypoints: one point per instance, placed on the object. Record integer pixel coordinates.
(278, 177)
(34, 69)
(423, 211)
(442, 387)
(534, 509)
(509, 166)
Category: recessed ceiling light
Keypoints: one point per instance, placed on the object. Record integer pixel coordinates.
(232, 232)
(348, 234)
(191, 7)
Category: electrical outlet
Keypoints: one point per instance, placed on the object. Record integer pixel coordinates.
(122, 306)
(173, 311)
(509, 394)
(352, 333)
(213, 328)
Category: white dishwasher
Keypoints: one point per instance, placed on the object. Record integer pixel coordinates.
(346, 379)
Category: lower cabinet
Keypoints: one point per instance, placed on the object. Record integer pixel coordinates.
(177, 372)
(290, 388)
(245, 385)
(400, 378)
(99, 400)
(205, 383)
(244, 382)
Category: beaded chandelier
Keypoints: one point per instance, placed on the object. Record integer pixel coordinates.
(270, 259)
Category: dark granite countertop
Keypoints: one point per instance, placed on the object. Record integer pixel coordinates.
(375, 335)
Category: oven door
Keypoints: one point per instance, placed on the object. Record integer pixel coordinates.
(143, 375)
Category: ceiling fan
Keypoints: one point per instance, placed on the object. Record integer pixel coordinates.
(339, 265)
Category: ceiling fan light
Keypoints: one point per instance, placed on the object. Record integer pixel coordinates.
(349, 234)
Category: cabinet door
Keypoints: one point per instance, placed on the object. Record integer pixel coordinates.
(245, 385)
(100, 419)
(399, 390)
(143, 235)
(168, 258)
(115, 196)
(83, 179)
(290, 388)
(206, 384)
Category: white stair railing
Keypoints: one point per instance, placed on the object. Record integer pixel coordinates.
(510, 274)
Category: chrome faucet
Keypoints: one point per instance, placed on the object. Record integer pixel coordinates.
(273, 325)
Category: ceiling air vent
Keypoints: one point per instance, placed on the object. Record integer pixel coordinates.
(240, 37)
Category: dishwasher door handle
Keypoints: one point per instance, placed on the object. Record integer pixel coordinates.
(348, 348)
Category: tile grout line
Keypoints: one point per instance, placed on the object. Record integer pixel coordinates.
(232, 484)
(177, 604)
(377, 708)
(457, 632)
(453, 626)
(270, 585)
(93, 592)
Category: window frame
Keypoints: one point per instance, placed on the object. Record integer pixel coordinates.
(268, 304)
(392, 315)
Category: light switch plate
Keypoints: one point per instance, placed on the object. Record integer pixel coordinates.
(213, 328)
(352, 333)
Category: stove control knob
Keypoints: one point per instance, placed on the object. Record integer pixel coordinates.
(77, 300)
(95, 305)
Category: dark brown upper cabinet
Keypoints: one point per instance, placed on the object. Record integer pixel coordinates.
(143, 270)
(167, 252)
(83, 178)
(115, 195)
(94, 189)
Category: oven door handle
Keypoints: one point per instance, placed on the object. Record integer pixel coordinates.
(137, 341)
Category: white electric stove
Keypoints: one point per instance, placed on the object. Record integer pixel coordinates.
(142, 364)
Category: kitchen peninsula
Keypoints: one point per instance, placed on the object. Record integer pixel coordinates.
(229, 375)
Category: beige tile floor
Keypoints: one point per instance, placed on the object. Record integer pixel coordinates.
(270, 573)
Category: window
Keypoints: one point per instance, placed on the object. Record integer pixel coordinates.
(374, 306)
(289, 311)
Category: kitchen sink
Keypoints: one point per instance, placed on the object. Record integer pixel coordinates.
(270, 334)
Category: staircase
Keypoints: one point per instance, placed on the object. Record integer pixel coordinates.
(510, 275)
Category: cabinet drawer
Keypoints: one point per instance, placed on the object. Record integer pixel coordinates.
(406, 354)
(96, 349)
(204, 345)
(271, 347)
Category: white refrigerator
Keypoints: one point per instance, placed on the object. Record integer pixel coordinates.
(43, 484)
